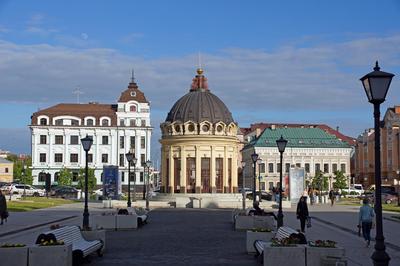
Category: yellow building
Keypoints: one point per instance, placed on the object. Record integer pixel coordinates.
(6, 170)
(199, 144)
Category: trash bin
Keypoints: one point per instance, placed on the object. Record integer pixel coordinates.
(333, 261)
(107, 204)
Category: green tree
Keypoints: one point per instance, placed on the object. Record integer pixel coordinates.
(91, 179)
(21, 169)
(340, 180)
(320, 181)
(64, 177)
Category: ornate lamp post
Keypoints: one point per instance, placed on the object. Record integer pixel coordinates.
(86, 143)
(130, 158)
(243, 186)
(376, 85)
(398, 187)
(281, 143)
(254, 158)
(147, 166)
(259, 178)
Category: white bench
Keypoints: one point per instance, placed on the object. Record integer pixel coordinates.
(141, 219)
(81, 248)
(283, 232)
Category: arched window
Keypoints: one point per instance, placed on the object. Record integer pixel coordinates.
(104, 122)
(43, 121)
(89, 122)
(132, 108)
(42, 177)
(59, 122)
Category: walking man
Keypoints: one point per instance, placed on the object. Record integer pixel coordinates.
(302, 213)
(3, 207)
(332, 196)
(365, 218)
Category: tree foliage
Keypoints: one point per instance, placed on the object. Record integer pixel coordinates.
(320, 182)
(340, 180)
(65, 177)
(91, 179)
(21, 169)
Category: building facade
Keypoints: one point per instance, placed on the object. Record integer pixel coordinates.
(199, 144)
(311, 148)
(6, 170)
(116, 129)
(390, 151)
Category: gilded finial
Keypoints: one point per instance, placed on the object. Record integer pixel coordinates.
(200, 71)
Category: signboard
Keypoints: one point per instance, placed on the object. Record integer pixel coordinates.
(111, 182)
(296, 183)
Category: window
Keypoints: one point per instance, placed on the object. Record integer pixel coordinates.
(58, 157)
(42, 177)
(334, 167)
(74, 140)
(90, 158)
(75, 176)
(122, 122)
(43, 139)
(104, 122)
(287, 167)
(307, 167)
(133, 93)
(326, 168)
(143, 123)
(104, 140)
(121, 142)
(42, 157)
(89, 122)
(343, 167)
(298, 165)
(132, 108)
(73, 157)
(56, 175)
(278, 167)
(6, 169)
(122, 159)
(262, 167)
(132, 143)
(141, 176)
(271, 185)
(270, 168)
(104, 158)
(317, 167)
(43, 121)
(74, 122)
(123, 176)
(132, 122)
(59, 122)
(59, 139)
(142, 158)
(143, 142)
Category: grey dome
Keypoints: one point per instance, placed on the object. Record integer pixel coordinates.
(199, 105)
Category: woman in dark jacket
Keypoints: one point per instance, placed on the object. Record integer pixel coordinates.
(302, 212)
(3, 207)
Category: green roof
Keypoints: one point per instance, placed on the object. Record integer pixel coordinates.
(299, 138)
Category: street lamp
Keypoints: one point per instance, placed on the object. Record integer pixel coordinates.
(147, 165)
(398, 187)
(86, 143)
(281, 143)
(243, 186)
(259, 178)
(130, 158)
(254, 158)
(376, 85)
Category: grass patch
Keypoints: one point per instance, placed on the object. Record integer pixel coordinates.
(34, 203)
(385, 207)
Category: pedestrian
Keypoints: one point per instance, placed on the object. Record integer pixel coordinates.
(302, 213)
(311, 195)
(365, 218)
(332, 196)
(3, 207)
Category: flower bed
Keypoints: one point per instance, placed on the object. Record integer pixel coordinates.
(284, 254)
(322, 243)
(257, 234)
(50, 254)
(319, 249)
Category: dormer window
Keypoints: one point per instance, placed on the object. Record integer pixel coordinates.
(132, 108)
(104, 122)
(43, 121)
(59, 122)
(89, 122)
(133, 93)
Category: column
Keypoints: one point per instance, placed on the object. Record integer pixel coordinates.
(163, 173)
(198, 170)
(183, 170)
(171, 171)
(225, 171)
(235, 170)
(212, 171)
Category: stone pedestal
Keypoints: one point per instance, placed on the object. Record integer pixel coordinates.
(314, 255)
(126, 222)
(105, 222)
(252, 222)
(50, 255)
(96, 235)
(285, 256)
(14, 256)
(251, 237)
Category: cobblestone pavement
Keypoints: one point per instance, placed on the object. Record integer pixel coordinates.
(179, 237)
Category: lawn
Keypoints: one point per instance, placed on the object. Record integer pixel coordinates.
(356, 202)
(33, 203)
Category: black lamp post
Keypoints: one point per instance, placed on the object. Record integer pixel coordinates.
(86, 143)
(243, 186)
(259, 178)
(254, 157)
(130, 158)
(147, 166)
(281, 143)
(376, 85)
(398, 187)
(134, 161)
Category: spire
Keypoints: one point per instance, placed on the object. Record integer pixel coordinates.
(199, 82)
(133, 76)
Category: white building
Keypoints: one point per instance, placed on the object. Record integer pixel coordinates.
(115, 128)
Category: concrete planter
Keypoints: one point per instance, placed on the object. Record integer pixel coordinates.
(314, 255)
(96, 235)
(254, 222)
(126, 222)
(14, 256)
(50, 255)
(251, 237)
(285, 256)
(105, 222)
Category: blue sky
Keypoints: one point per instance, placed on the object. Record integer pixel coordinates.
(271, 61)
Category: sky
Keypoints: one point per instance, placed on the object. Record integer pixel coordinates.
(269, 61)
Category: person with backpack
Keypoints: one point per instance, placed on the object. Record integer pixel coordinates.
(365, 220)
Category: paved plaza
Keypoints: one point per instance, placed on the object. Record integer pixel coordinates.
(200, 236)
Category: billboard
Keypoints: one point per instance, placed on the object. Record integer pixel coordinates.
(296, 183)
(111, 182)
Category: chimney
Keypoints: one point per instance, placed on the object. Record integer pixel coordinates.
(397, 109)
(273, 127)
(337, 128)
(258, 132)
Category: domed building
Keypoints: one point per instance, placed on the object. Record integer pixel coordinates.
(199, 144)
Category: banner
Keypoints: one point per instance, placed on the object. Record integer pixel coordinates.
(296, 183)
(111, 184)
